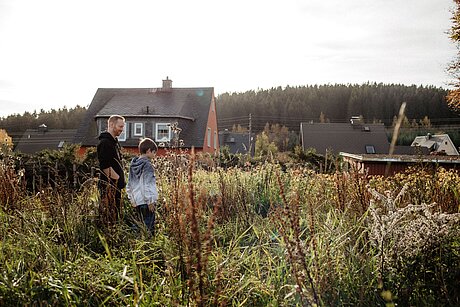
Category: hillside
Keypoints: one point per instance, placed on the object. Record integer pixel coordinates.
(376, 102)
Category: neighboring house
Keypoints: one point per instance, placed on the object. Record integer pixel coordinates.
(35, 140)
(154, 113)
(436, 144)
(390, 165)
(237, 142)
(336, 137)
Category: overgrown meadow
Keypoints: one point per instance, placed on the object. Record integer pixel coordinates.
(254, 234)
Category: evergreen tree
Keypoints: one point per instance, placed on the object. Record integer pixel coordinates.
(64, 118)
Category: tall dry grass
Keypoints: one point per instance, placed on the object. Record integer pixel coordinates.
(261, 235)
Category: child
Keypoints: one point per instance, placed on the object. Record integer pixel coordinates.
(142, 188)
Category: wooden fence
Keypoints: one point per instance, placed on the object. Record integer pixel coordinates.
(38, 175)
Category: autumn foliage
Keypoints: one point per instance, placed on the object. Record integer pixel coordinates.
(453, 96)
(5, 139)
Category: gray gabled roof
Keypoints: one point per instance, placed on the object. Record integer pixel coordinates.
(237, 142)
(190, 106)
(436, 142)
(337, 137)
(35, 140)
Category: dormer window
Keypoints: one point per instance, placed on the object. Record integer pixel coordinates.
(163, 132)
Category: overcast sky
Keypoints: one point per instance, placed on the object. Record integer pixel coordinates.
(56, 53)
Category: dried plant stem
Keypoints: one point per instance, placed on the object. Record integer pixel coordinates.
(294, 247)
(395, 135)
(195, 242)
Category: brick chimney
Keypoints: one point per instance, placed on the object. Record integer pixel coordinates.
(167, 85)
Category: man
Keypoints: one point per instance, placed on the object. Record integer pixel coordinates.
(112, 179)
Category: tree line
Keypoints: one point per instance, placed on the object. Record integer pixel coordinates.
(16, 124)
(375, 102)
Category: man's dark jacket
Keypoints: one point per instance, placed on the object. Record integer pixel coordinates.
(109, 155)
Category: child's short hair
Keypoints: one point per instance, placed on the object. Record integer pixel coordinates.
(147, 144)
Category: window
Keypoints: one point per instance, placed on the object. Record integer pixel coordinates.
(209, 137)
(122, 136)
(370, 149)
(138, 129)
(215, 139)
(163, 132)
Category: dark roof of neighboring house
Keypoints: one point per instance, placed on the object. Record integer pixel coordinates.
(190, 106)
(35, 140)
(337, 137)
(236, 142)
(410, 150)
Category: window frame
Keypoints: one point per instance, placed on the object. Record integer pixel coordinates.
(123, 135)
(209, 137)
(168, 126)
(135, 126)
(370, 149)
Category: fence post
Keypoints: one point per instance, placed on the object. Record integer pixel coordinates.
(48, 173)
(66, 176)
(33, 177)
(40, 177)
(74, 175)
(56, 173)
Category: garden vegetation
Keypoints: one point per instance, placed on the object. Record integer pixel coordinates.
(245, 233)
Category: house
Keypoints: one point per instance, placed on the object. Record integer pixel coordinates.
(36, 140)
(384, 164)
(354, 137)
(173, 117)
(436, 144)
(237, 142)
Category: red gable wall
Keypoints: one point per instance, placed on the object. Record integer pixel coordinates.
(212, 123)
